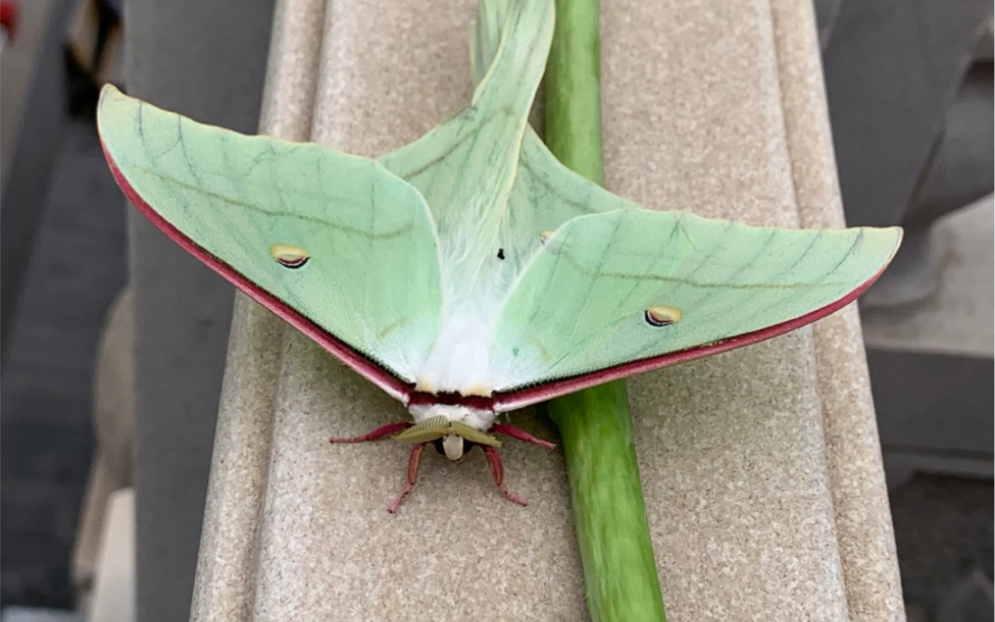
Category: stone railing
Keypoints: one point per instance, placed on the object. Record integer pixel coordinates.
(761, 467)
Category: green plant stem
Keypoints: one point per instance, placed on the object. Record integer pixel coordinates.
(609, 515)
(595, 426)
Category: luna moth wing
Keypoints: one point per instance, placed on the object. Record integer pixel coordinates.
(465, 167)
(440, 164)
(334, 243)
(488, 26)
(539, 190)
(546, 193)
(616, 293)
(560, 329)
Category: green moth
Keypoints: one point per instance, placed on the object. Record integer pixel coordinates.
(469, 273)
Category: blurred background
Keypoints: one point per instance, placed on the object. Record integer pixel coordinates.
(910, 90)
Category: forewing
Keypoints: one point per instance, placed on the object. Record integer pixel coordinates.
(369, 283)
(577, 315)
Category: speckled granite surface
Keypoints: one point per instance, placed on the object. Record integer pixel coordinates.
(761, 469)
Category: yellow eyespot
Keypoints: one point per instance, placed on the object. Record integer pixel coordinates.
(545, 235)
(660, 315)
(289, 256)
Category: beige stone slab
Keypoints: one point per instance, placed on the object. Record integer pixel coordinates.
(856, 475)
(742, 488)
(226, 567)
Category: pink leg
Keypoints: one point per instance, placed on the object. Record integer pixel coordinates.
(382, 431)
(494, 461)
(522, 435)
(414, 459)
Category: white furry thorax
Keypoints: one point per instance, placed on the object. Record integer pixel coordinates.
(459, 361)
(473, 417)
(476, 284)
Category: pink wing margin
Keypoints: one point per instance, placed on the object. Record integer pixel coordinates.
(527, 396)
(394, 386)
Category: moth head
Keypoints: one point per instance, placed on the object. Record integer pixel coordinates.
(453, 446)
(451, 438)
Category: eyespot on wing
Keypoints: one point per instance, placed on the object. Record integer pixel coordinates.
(661, 315)
(288, 256)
